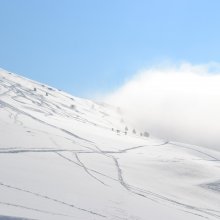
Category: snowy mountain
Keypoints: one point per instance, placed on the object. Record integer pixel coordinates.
(63, 157)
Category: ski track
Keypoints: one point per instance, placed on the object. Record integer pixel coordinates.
(52, 199)
(87, 171)
(135, 190)
(34, 209)
(45, 123)
(42, 102)
(157, 197)
(190, 148)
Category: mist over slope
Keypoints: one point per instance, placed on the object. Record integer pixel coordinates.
(63, 157)
(179, 103)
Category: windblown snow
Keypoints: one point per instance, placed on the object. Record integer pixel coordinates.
(63, 157)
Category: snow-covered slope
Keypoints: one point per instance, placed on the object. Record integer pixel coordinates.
(60, 159)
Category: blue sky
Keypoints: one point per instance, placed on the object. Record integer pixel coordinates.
(92, 46)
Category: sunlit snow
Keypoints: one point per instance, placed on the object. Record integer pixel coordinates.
(63, 157)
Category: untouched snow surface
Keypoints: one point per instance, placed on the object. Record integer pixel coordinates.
(60, 159)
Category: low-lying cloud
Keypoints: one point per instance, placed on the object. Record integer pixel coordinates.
(180, 103)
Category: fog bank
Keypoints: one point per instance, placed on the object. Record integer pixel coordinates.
(180, 102)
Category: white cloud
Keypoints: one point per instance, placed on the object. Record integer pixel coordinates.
(177, 102)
